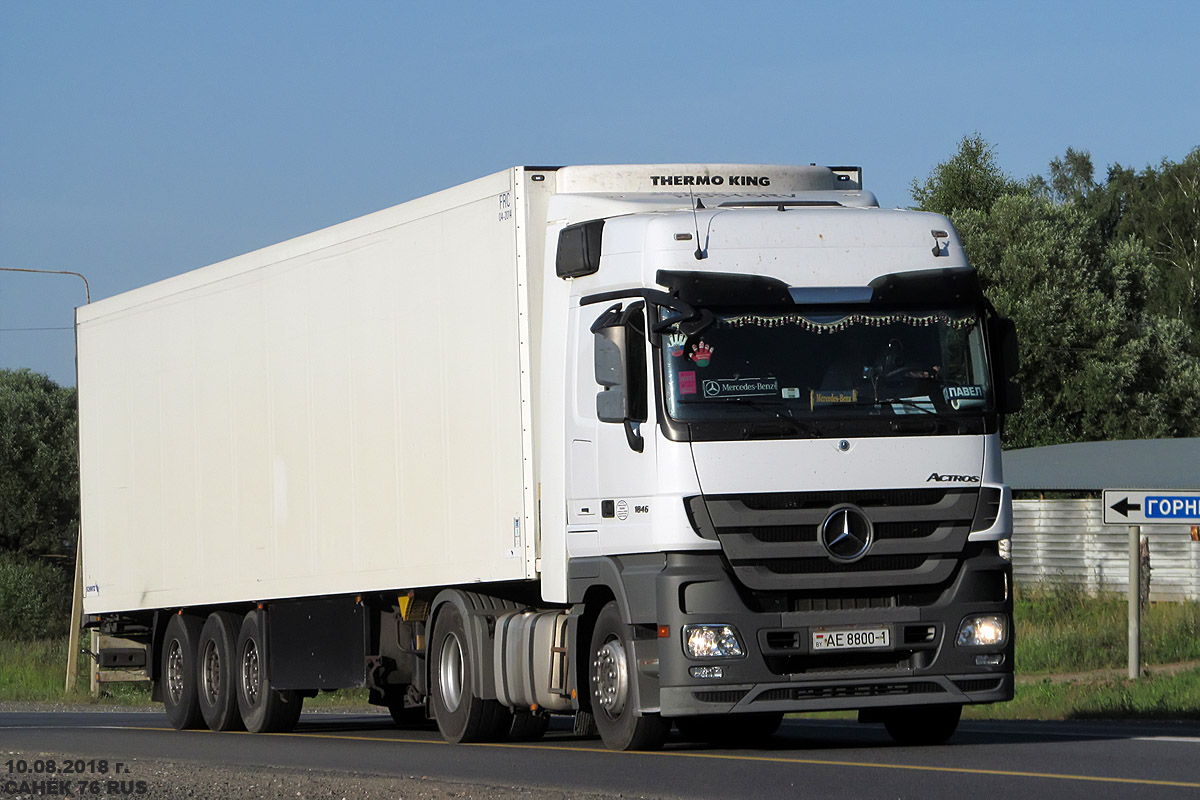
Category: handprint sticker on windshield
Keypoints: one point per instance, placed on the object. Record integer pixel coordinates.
(676, 342)
(701, 354)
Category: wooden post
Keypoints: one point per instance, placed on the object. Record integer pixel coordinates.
(76, 620)
(93, 667)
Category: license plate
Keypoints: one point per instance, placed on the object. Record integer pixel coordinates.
(824, 639)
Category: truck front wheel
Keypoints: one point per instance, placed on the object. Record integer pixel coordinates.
(264, 709)
(610, 678)
(922, 725)
(178, 674)
(460, 715)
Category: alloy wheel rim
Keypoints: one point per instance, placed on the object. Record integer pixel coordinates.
(210, 672)
(250, 672)
(175, 671)
(610, 677)
(450, 672)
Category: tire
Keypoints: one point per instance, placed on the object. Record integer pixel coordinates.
(293, 706)
(178, 674)
(921, 726)
(733, 729)
(216, 672)
(263, 708)
(610, 685)
(528, 727)
(460, 715)
(407, 716)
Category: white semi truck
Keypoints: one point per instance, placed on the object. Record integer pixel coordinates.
(687, 444)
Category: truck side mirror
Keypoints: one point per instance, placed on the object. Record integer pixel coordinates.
(1006, 359)
(620, 353)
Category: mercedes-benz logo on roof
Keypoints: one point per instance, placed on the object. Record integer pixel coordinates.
(847, 533)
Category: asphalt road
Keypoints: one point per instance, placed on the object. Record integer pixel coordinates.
(805, 759)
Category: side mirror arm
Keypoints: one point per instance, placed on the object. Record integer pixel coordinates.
(633, 436)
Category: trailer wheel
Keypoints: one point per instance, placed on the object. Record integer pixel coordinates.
(460, 715)
(922, 725)
(264, 709)
(730, 728)
(179, 672)
(528, 726)
(216, 681)
(611, 680)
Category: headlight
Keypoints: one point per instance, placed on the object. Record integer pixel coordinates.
(987, 631)
(711, 641)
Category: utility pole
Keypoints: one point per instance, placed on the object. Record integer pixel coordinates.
(77, 595)
(87, 290)
(1135, 602)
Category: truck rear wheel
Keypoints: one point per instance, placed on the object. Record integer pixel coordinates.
(610, 680)
(528, 726)
(264, 709)
(178, 673)
(922, 725)
(730, 728)
(460, 715)
(216, 674)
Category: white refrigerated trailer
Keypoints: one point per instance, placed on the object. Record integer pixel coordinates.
(690, 443)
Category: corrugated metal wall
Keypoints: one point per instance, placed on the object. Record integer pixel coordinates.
(1066, 541)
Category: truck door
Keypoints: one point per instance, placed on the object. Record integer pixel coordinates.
(610, 483)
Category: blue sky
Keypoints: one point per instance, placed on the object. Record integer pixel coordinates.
(139, 140)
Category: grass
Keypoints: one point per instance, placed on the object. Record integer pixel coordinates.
(1059, 630)
(1163, 697)
(35, 671)
(1062, 629)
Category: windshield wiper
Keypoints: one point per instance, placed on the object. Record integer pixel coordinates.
(924, 407)
(773, 410)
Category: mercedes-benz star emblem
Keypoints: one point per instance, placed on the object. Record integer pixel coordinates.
(846, 533)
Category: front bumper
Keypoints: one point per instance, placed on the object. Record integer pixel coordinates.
(780, 672)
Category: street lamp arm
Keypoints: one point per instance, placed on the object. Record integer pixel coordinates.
(87, 290)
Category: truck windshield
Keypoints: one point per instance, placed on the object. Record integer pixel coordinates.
(809, 373)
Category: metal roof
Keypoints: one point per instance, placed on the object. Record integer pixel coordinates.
(1092, 466)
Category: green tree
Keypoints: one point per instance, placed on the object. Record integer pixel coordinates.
(1072, 177)
(1098, 361)
(969, 180)
(1161, 206)
(39, 471)
(35, 596)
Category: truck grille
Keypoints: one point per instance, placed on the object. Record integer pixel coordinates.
(772, 541)
(808, 533)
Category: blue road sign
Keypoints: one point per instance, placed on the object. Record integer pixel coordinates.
(1160, 506)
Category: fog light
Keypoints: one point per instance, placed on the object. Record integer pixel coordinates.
(988, 631)
(993, 660)
(711, 641)
(707, 672)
